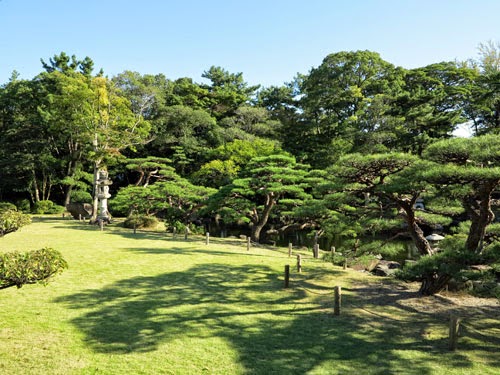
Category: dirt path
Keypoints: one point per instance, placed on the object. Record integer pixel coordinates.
(406, 297)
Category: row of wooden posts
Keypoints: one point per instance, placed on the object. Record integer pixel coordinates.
(337, 290)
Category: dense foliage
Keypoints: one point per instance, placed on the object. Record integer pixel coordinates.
(357, 153)
(11, 220)
(18, 269)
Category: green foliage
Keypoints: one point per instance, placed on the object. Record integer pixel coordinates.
(336, 102)
(275, 182)
(216, 173)
(80, 196)
(23, 205)
(227, 91)
(337, 258)
(140, 221)
(5, 206)
(433, 219)
(18, 269)
(388, 250)
(174, 197)
(446, 263)
(47, 207)
(136, 199)
(12, 220)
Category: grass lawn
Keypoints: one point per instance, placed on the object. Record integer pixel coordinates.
(149, 304)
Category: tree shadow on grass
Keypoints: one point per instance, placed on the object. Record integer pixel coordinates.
(275, 330)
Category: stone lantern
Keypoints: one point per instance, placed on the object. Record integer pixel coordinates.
(102, 185)
(434, 240)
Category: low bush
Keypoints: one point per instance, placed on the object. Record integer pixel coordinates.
(6, 206)
(47, 207)
(18, 269)
(24, 205)
(140, 221)
(12, 220)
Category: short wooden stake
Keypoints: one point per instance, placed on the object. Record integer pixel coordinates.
(186, 231)
(299, 263)
(248, 243)
(79, 217)
(333, 250)
(345, 264)
(289, 249)
(135, 228)
(174, 232)
(316, 251)
(337, 300)
(287, 276)
(454, 325)
(208, 238)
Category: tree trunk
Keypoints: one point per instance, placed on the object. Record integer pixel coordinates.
(416, 233)
(261, 221)
(36, 191)
(433, 284)
(479, 210)
(67, 195)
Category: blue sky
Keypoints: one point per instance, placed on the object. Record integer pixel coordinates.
(268, 41)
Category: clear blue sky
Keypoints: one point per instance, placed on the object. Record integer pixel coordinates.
(268, 41)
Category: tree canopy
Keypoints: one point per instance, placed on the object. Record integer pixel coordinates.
(356, 151)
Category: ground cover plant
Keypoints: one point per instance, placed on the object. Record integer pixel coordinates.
(146, 303)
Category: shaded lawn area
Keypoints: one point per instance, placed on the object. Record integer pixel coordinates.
(147, 304)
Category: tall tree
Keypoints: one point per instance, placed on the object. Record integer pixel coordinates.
(185, 133)
(27, 158)
(431, 104)
(335, 99)
(90, 120)
(226, 91)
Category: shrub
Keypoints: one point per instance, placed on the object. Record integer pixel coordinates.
(337, 258)
(5, 206)
(24, 205)
(47, 207)
(12, 220)
(18, 269)
(140, 221)
(80, 196)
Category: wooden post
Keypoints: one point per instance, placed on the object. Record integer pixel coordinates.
(248, 243)
(287, 275)
(316, 251)
(208, 238)
(333, 250)
(174, 232)
(79, 217)
(454, 325)
(289, 249)
(337, 300)
(101, 224)
(345, 264)
(299, 263)
(135, 228)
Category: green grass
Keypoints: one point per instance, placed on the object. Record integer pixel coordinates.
(147, 304)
